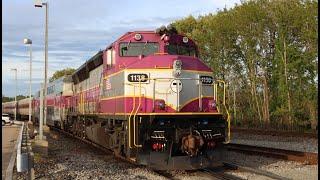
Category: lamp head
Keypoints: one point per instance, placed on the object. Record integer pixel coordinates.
(38, 3)
(27, 41)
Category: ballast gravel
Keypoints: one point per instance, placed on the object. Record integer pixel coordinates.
(290, 143)
(70, 158)
(287, 169)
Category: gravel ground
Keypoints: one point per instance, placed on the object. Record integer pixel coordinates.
(290, 143)
(72, 159)
(289, 169)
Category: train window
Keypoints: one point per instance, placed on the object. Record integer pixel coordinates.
(138, 48)
(181, 50)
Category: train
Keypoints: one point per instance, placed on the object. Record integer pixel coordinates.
(21, 108)
(147, 97)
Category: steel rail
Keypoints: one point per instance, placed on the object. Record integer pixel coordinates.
(254, 170)
(219, 174)
(290, 155)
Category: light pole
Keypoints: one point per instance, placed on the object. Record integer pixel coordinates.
(28, 41)
(15, 98)
(40, 4)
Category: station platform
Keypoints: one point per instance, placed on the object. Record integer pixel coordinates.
(9, 138)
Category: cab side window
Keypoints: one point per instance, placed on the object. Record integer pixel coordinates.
(138, 48)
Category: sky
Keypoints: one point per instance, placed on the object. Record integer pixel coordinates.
(79, 29)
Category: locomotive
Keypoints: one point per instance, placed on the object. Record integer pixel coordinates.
(148, 98)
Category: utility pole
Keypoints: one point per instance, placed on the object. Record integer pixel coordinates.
(15, 98)
(39, 4)
(28, 41)
(41, 113)
(46, 66)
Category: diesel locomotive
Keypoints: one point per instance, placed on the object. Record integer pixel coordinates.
(148, 98)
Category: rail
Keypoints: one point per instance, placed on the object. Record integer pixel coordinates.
(290, 155)
(231, 165)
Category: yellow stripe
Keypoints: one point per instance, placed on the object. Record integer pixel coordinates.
(177, 113)
(148, 97)
(154, 70)
(114, 97)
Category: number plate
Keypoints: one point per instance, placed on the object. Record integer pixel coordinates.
(206, 79)
(138, 78)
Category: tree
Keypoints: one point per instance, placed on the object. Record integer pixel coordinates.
(267, 51)
(8, 99)
(61, 73)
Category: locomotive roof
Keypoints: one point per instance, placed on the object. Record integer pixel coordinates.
(82, 72)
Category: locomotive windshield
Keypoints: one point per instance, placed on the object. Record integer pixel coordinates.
(138, 48)
(181, 50)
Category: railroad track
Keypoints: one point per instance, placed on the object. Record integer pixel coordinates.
(216, 172)
(91, 143)
(219, 172)
(275, 132)
(304, 157)
(161, 173)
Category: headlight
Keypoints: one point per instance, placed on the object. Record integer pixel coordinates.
(177, 66)
(185, 39)
(161, 105)
(137, 37)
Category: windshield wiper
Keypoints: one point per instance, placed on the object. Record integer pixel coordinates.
(144, 46)
(125, 48)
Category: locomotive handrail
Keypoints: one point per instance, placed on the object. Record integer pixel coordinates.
(224, 105)
(133, 106)
(200, 95)
(134, 114)
(134, 118)
(178, 94)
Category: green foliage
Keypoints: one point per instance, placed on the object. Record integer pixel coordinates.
(61, 73)
(268, 51)
(8, 99)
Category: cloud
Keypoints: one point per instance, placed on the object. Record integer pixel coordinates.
(77, 30)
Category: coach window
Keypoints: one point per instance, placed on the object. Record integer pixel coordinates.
(138, 48)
